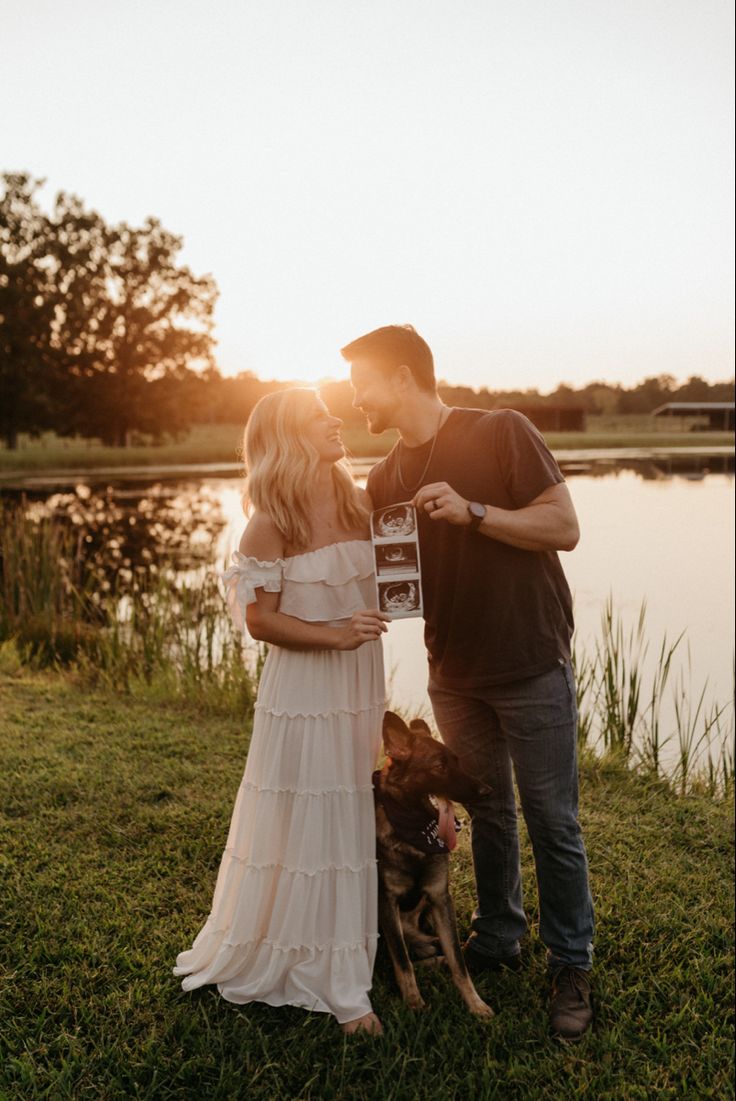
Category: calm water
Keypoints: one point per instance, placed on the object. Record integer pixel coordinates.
(669, 541)
(660, 531)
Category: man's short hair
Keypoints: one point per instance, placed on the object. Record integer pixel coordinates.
(393, 346)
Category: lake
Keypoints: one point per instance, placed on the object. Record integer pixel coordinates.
(655, 527)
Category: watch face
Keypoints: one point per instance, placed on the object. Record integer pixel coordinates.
(477, 510)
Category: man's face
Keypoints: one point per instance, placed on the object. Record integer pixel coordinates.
(374, 394)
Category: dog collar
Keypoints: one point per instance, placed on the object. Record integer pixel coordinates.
(411, 824)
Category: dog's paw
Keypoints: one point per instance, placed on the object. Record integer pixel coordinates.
(480, 1009)
(416, 1002)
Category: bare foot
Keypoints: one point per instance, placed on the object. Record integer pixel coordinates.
(367, 1023)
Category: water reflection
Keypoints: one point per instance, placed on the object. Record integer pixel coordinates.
(657, 527)
(123, 530)
(650, 468)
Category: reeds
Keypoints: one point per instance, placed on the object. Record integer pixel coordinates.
(43, 605)
(130, 629)
(166, 632)
(634, 708)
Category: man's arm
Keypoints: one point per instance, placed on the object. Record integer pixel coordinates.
(549, 522)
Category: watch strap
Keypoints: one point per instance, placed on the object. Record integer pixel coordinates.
(477, 514)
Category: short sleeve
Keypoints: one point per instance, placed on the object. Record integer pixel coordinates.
(243, 578)
(528, 465)
(374, 485)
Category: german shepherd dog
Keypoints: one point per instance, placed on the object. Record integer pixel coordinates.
(414, 841)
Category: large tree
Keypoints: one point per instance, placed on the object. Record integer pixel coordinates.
(27, 298)
(128, 316)
(111, 315)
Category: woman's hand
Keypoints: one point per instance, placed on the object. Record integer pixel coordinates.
(362, 627)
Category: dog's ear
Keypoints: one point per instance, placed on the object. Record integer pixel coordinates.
(397, 737)
(420, 727)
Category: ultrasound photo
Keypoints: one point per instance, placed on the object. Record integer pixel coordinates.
(395, 558)
(398, 598)
(395, 521)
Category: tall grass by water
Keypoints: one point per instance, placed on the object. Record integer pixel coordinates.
(146, 626)
(644, 708)
(153, 627)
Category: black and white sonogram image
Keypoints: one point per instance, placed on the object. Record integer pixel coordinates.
(396, 555)
(393, 522)
(396, 558)
(399, 598)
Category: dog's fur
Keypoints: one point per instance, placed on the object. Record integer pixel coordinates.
(414, 885)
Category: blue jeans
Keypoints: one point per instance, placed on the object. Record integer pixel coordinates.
(532, 725)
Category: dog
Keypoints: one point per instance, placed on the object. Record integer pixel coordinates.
(413, 842)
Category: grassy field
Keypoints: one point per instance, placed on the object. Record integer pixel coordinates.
(114, 811)
(222, 444)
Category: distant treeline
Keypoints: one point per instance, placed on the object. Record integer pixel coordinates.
(227, 400)
(103, 334)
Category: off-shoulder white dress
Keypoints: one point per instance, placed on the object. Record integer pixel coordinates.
(294, 913)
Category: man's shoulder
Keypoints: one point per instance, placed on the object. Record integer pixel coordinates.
(487, 417)
(379, 468)
(491, 423)
(378, 474)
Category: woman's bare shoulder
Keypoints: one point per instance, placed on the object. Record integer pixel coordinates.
(262, 539)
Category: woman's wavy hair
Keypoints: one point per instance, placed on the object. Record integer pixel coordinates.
(281, 467)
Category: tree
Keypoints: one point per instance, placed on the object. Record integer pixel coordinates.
(26, 311)
(127, 316)
(695, 389)
(652, 392)
(91, 317)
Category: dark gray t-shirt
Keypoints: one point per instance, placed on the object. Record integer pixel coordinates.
(493, 613)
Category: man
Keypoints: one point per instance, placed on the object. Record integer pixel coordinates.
(493, 511)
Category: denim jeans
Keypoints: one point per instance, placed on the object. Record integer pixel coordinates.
(531, 725)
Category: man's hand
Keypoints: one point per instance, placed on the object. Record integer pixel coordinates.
(546, 523)
(440, 501)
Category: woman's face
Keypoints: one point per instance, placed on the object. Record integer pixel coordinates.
(323, 432)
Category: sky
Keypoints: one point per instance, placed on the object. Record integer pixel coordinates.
(543, 188)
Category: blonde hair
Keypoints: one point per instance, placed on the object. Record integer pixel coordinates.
(281, 467)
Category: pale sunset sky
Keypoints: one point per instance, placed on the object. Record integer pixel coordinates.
(543, 188)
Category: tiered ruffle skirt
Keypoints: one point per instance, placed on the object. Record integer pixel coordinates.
(294, 914)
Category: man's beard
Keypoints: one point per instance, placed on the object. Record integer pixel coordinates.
(377, 423)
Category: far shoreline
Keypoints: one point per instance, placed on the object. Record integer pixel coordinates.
(115, 464)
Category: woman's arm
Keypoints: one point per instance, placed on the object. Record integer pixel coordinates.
(266, 623)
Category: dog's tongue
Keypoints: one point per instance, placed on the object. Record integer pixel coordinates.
(446, 825)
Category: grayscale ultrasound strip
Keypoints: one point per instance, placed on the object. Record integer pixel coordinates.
(396, 556)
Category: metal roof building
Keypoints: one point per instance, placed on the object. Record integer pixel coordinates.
(720, 414)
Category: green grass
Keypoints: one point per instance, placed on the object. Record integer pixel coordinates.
(114, 811)
(204, 443)
(222, 443)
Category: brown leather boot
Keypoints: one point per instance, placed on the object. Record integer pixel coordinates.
(570, 1009)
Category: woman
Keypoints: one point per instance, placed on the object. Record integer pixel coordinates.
(294, 914)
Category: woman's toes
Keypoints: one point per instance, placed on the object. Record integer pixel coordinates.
(368, 1023)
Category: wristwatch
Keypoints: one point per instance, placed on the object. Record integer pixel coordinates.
(477, 514)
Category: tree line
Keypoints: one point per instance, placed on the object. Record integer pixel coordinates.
(105, 334)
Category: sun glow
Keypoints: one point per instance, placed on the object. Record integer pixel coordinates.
(543, 191)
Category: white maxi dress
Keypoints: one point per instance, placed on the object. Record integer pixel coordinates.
(294, 913)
